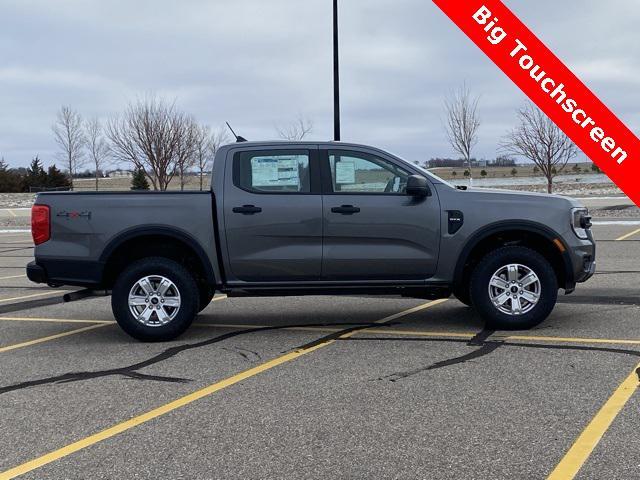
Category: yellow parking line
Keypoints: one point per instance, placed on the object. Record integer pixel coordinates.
(373, 331)
(51, 337)
(186, 400)
(53, 320)
(12, 276)
(422, 333)
(4, 300)
(611, 341)
(628, 235)
(581, 449)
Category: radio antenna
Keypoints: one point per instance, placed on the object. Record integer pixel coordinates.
(238, 137)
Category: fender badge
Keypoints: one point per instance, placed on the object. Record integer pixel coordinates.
(74, 214)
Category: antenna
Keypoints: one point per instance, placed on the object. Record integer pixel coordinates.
(238, 138)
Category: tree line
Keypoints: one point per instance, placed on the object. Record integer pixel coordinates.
(153, 137)
(535, 137)
(32, 179)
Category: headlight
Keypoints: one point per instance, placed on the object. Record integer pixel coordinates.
(580, 222)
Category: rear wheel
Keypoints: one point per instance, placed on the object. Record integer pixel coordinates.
(514, 288)
(155, 299)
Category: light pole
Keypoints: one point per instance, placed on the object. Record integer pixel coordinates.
(336, 76)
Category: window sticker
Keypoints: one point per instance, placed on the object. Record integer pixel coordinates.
(264, 171)
(275, 172)
(345, 172)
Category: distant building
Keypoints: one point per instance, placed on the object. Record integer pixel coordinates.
(119, 173)
(503, 162)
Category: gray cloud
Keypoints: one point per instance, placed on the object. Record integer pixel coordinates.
(258, 63)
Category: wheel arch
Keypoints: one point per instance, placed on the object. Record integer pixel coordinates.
(534, 235)
(159, 241)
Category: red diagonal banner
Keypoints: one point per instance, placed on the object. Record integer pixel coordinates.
(552, 87)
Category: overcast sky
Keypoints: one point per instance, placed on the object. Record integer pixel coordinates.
(260, 63)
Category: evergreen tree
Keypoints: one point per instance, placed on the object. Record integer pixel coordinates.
(139, 180)
(57, 179)
(36, 177)
(9, 179)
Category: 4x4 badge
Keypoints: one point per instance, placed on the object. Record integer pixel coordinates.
(74, 214)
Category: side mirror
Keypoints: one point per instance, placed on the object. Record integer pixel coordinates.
(417, 186)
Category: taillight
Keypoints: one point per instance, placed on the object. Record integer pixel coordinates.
(40, 224)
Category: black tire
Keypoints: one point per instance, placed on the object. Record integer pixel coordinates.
(206, 295)
(182, 280)
(491, 264)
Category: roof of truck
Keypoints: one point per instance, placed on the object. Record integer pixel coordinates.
(295, 142)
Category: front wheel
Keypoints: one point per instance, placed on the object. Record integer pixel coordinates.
(155, 299)
(514, 288)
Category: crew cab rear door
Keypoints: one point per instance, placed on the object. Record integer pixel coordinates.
(372, 229)
(273, 214)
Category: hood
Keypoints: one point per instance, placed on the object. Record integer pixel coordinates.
(517, 196)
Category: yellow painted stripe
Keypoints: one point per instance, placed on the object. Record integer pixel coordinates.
(12, 213)
(612, 341)
(581, 449)
(53, 320)
(422, 333)
(49, 338)
(4, 300)
(182, 401)
(628, 235)
(12, 276)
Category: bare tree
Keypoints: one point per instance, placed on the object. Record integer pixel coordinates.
(187, 148)
(462, 123)
(538, 139)
(154, 136)
(296, 130)
(97, 146)
(70, 138)
(207, 145)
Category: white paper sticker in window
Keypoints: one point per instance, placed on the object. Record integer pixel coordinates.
(264, 171)
(288, 172)
(345, 172)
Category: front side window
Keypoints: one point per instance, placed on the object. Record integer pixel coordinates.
(355, 172)
(273, 172)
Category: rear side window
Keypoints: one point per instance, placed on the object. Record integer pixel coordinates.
(284, 171)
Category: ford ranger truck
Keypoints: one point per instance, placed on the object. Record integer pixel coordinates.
(306, 218)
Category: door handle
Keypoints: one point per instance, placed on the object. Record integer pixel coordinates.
(247, 209)
(345, 209)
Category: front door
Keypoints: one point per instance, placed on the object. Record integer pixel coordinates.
(273, 215)
(373, 230)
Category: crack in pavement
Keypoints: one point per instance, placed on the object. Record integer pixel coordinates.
(478, 340)
(241, 351)
(132, 372)
(486, 348)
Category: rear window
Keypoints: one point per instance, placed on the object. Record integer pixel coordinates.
(285, 171)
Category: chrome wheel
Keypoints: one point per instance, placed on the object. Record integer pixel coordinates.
(154, 301)
(514, 289)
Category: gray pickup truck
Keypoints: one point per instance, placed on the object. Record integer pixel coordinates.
(312, 218)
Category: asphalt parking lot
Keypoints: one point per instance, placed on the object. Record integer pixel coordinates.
(323, 387)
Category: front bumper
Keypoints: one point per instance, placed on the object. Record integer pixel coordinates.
(583, 259)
